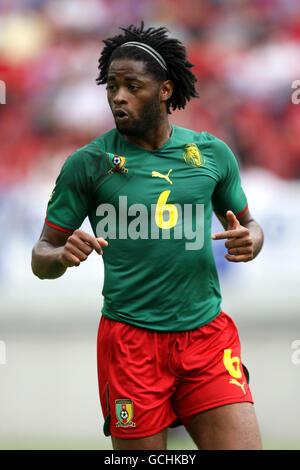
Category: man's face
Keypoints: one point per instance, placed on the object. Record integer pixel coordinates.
(133, 96)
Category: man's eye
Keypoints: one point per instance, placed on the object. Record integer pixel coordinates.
(111, 87)
(133, 87)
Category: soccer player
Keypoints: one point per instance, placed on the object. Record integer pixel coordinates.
(167, 353)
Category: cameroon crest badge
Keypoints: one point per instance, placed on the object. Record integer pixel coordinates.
(117, 163)
(192, 155)
(124, 413)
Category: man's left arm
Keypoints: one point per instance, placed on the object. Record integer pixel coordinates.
(244, 236)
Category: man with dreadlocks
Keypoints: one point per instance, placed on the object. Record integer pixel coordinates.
(167, 353)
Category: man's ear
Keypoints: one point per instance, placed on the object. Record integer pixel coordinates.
(166, 90)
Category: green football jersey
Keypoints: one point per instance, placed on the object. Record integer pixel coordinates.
(155, 209)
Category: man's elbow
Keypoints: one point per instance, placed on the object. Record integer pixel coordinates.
(35, 266)
(37, 273)
(45, 265)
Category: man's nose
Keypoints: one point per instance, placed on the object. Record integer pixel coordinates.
(120, 96)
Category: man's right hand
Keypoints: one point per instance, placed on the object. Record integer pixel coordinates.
(78, 247)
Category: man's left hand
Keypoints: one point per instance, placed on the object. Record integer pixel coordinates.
(239, 242)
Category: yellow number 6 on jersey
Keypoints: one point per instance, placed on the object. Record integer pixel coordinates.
(162, 207)
(232, 364)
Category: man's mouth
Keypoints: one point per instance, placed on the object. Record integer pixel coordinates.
(120, 115)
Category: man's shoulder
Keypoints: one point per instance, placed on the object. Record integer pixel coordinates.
(213, 147)
(191, 135)
(105, 140)
(217, 145)
(100, 144)
(94, 150)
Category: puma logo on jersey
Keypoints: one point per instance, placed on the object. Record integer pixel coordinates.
(156, 174)
(234, 381)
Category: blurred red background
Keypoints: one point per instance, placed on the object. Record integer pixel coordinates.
(246, 55)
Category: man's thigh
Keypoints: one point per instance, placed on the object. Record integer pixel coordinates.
(156, 442)
(229, 427)
(212, 372)
(135, 385)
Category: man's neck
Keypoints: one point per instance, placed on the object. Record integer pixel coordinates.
(152, 140)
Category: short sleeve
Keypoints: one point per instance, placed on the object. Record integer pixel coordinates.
(69, 202)
(228, 194)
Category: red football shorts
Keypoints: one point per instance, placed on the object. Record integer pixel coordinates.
(149, 380)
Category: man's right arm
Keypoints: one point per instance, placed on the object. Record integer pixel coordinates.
(56, 251)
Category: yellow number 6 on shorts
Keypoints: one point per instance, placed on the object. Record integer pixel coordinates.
(232, 364)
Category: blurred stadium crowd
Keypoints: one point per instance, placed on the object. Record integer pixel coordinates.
(246, 55)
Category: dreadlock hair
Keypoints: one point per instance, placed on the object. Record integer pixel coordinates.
(172, 51)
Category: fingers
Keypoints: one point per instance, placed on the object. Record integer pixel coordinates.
(89, 240)
(77, 252)
(79, 246)
(233, 222)
(92, 242)
(68, 260)
(238, 242)
(102, 241)
(240, 232)
(247, 250)
(240, 253)
(239, 250)
(239, 258)
(234, 229)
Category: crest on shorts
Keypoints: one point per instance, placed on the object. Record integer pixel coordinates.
(117, 163)
(124, 413)
(192, 155)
